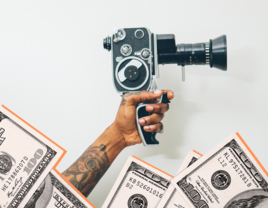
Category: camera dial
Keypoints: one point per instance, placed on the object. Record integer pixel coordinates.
(132, 73)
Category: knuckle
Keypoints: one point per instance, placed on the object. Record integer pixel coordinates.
(157, 109)
(154, 128)
(158, 118)
(167, 107)
(144, 92)
(148, 120)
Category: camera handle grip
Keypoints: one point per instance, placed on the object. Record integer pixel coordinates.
(148, 138)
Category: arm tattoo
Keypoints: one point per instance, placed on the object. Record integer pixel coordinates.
(132, 93)
(124, 101)
(85, 173)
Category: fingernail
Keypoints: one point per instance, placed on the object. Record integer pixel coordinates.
(172, 94)
(157, 91)
(146, 127)
(142, 121)
(150, 108)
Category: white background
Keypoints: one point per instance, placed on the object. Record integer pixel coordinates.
(56, 75)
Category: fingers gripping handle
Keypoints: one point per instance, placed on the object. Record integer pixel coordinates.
(148, 138)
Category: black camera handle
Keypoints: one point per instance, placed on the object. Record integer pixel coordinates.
(148, 138)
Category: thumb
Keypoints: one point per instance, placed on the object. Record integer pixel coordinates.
(141, 96)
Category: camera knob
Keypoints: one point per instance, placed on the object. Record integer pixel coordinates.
(119, 35)
(126, 50)
(145, 53)
(107, 43)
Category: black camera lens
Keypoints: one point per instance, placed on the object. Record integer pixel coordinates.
(213, 53)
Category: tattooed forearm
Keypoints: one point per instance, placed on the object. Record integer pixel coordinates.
(85, 173)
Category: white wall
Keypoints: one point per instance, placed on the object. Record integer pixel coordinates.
(56, 75)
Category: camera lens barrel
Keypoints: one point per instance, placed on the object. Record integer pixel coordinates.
(191, 54)
(213, 53)
(186, 54)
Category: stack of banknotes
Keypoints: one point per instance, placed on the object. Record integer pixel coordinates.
(228, 176)
(28, 175)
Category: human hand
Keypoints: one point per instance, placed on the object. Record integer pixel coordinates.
(125, 122)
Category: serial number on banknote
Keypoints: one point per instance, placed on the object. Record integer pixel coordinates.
(143, 186)
(236, 167)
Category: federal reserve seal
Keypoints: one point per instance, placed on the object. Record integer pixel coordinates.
(137, 201)
(5, 164)
(221, 180)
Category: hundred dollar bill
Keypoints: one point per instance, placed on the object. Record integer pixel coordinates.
(192, 157)
(26, 157)
(138, 185)
(172, 198)
(229, 176)
(55, 192)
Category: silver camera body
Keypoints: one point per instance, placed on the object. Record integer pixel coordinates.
(134, 59)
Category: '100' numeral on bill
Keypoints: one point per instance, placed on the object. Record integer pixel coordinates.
(26, 157)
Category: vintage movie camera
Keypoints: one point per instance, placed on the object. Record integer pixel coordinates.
(136, 54)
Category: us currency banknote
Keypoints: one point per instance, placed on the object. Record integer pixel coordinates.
(172, 198)
(192, 157)
(138, 185)
(55, 192)
(26, 157)
(229, 176)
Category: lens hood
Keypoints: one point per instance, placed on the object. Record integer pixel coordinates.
(218, 53)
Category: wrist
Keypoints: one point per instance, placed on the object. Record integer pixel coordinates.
(113, 141)
(117, 136)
